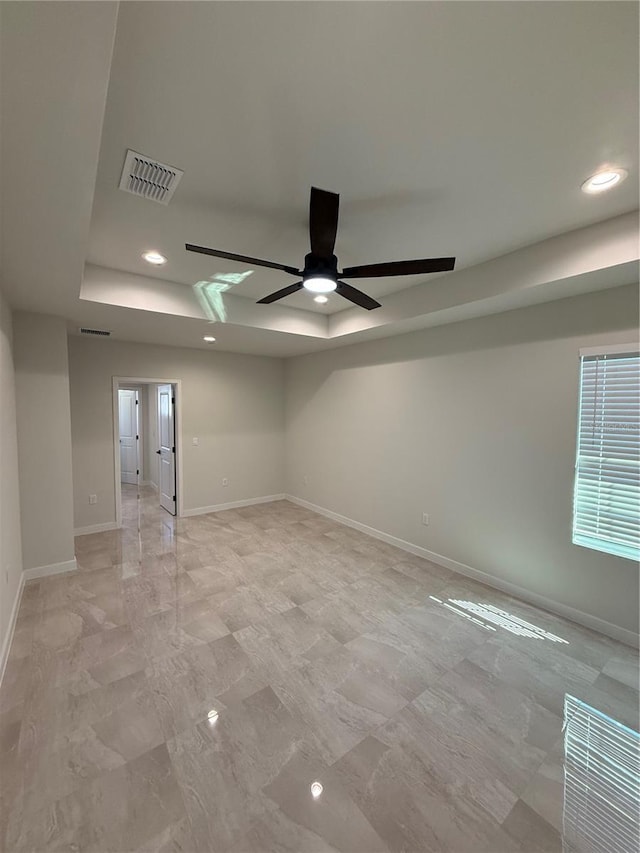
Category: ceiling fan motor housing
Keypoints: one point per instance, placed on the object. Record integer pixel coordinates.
(315, 266)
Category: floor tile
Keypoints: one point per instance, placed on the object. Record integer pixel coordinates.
(530, 830)
(118, 811)
(183, 690)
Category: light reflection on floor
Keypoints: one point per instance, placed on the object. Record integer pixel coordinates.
(487, 615)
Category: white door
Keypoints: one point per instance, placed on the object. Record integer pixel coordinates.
(128, 420)
(167, 450)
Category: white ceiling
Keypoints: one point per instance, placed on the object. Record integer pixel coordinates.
(447, 128)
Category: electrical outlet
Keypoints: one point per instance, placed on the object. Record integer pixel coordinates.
(225, 481)
(195, 441)
(93, 499)
(425, 518)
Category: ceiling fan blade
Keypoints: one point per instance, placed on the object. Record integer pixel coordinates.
(356, 296)
(425, 265)
(280, 294)
(323, 222)
(245, 259)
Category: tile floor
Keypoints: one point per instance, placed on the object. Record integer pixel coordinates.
(184, 689)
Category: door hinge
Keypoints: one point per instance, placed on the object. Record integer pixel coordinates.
(137, 438)
(173, 400)
(174, 497)
(136, 402)
(173, 450)
(137, 472)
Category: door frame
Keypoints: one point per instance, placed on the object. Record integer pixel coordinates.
(138, 380)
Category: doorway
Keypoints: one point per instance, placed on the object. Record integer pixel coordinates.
(147, 449)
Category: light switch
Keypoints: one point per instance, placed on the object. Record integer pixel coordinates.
(195, 441)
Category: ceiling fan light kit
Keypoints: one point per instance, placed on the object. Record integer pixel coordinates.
(320, 284)
(320, 273)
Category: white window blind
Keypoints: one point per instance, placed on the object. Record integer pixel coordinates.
(601, 782)
(606, 513)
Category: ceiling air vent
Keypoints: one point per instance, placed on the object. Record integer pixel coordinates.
(99, 332)
(145, 177)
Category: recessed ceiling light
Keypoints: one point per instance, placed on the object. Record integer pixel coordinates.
(319, 284)
(320, 298)
(604, 180)
(212, 716)
(209, 339)
(154, 258)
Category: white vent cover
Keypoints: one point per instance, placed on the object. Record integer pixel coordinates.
(145, 177)
(100, 332)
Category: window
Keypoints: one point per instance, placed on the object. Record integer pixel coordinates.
(606, 511)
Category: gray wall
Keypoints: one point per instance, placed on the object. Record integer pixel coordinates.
(475, 424)
(234, 404)
(44, 439)
(10, 544)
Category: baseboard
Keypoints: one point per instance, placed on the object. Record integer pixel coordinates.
(623, 635)
(149, 483)
(53, 569)
(28, 575)
(204, 510)
(8, 637)
(95, 528)
(199, 510)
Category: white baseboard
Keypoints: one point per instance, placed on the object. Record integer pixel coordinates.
(623, 635)
(149, 483)
(8, 636)
(28, 575)
(204, 510)
(53, 569)
(95, 528)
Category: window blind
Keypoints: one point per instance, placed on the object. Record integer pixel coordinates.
(601, 782)
(606, 513)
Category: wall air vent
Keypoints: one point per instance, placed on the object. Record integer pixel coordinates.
(145, 177)
(100, 332)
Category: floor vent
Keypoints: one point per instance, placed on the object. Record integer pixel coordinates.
(145, 177)
(100, 332)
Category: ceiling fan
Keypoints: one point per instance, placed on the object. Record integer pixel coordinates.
(320, 273)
